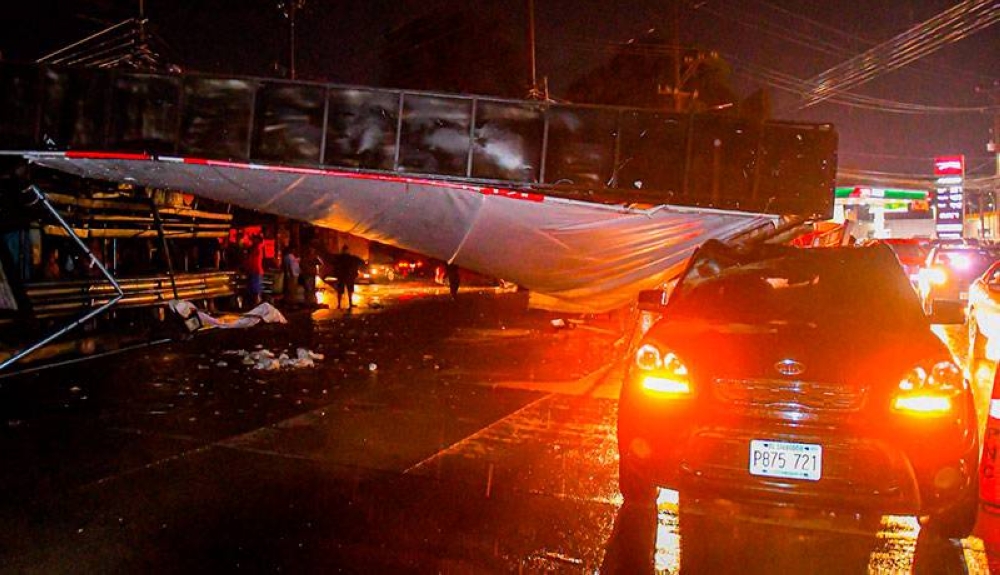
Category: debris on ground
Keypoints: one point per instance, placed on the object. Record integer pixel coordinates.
(265, 359)
(187, 311)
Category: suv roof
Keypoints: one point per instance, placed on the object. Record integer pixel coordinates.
(782, 283)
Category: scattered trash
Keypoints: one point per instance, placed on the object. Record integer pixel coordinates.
(222, 364)
(195, 318)
(555, 556)
(264, 359)
(562, 324)
(304, 353)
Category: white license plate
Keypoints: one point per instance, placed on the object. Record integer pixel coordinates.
(787, 460)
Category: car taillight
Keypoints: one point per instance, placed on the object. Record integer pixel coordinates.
(662, 372)
(929, 391)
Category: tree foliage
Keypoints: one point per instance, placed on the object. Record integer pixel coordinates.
(642, 74)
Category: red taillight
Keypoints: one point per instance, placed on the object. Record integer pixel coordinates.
(662, 373)
(929, 391)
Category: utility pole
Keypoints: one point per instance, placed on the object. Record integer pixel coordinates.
(534, 93)
(289, 9)
(675, 37)
(993, 146)
(681, 100)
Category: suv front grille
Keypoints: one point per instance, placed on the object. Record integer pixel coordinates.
(779, 394)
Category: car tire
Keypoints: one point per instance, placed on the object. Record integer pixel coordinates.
(956, 522)
(634, 482)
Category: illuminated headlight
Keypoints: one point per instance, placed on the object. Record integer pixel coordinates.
(662, 373)
(935, 276)
(929, 392)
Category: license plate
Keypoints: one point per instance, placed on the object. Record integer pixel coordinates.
(786, 460)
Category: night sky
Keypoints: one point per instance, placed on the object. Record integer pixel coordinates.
(344, 42)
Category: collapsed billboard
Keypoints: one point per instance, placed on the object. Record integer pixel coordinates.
(583, 205)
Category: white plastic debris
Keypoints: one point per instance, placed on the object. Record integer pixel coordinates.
(303, 352)
(266, 360)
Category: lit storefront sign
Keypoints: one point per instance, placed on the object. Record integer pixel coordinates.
(949, 197)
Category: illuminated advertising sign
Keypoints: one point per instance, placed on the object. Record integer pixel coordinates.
(949, 166)
(949, 197)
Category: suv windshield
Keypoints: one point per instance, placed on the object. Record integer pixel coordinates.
(838, 286)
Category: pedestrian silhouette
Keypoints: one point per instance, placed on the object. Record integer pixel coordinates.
(453, 280)
(345, 267)
(310, 266)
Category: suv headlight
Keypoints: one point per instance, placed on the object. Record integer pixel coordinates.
(929, 391)
(662, 373)
(936, 276)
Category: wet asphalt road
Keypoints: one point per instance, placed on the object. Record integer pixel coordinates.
(433, 437)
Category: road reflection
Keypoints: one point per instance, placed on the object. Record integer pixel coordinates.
(677, 535)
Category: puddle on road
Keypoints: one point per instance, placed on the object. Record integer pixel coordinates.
(709, 539)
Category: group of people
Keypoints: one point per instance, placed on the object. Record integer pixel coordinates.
(54, 267)
(301, 273)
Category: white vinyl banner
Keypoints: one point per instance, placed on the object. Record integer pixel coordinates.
(572, 256)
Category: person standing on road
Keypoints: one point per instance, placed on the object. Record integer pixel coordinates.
(453, 280)
(346, 266)
(291, 270)
(309, 268)
(255, 270)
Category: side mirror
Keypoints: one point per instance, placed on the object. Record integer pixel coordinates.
(653, 300)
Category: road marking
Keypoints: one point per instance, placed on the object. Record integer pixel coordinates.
(586, 384)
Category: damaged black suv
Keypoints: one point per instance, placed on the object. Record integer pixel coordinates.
(802, 377)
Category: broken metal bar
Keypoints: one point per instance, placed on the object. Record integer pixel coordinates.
(40, 195)
(158, 221)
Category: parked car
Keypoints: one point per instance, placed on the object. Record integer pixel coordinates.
(984, 316)
(378, 272)
(947, 273)
(911, 252)
(802, 377)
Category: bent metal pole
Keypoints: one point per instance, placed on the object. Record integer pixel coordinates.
(40, 197)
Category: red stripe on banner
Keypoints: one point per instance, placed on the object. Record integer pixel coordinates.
(513, 194)
(488, 191)
(84, 155)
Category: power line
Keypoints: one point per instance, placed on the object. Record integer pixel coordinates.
(952, 25)
(817, 42)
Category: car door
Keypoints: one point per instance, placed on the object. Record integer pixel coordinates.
(984, 302)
